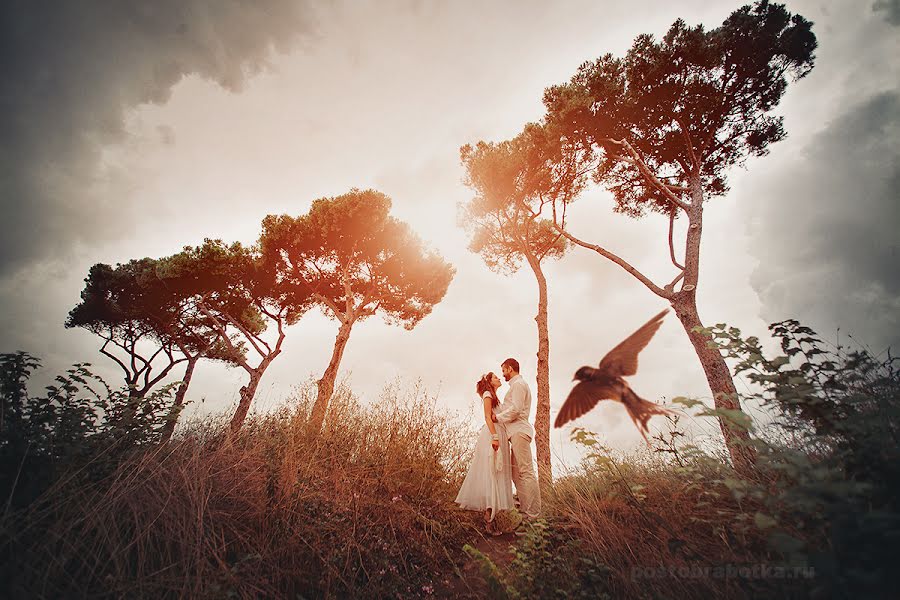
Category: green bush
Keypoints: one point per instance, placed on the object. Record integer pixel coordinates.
(831, 495)
(79, 426)
(819, 514)
(101, 507)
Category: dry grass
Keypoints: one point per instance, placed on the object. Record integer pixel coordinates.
(632, 515)
(363, 509)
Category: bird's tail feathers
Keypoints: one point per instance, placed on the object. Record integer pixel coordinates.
(641, 410)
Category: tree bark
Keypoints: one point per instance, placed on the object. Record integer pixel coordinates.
(718, 375)
(326, 383)
(177, 403)
(135, 397)
(247, 393)
(542, 412)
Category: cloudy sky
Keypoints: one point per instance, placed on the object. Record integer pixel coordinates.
(132, 129)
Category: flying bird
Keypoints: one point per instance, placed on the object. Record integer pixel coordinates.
(606, 383)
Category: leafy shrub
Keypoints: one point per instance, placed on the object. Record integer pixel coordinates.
(832, 497)
(551, 563)
(78, 425)
(820, 514)
(638, 514)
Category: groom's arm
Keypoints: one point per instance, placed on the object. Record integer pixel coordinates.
(516, 404)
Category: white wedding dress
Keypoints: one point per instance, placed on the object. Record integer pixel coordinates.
(488, 483)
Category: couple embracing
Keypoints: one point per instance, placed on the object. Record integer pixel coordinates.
(503, 452)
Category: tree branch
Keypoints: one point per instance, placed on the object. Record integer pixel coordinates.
(104, 351)
(264, 310)
(687, 140)
(280, 334)
(331, 305)
(253, 339)
(622, 263)
(662, 293)
(367, 296)
(671, 243)
(162, 374)
(316, 294)
(550, 245)
(133, 352)
(348, 291)
(645, 171)
(540, 255)
(223, 335)
(147, 368)
(671, 286)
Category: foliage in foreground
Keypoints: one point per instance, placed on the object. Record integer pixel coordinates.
(366, 507)
(820, 518)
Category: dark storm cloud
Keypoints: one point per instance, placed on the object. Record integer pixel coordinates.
(890, 10)
(828, 237)
(68, 73)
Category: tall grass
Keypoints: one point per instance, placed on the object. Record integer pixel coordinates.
(819, 518)
(363, 509)
(643, 520)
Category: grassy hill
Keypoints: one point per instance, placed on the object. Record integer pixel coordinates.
(365, 509)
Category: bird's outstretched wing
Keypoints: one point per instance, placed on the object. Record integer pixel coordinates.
(622, 360)
(583, 397)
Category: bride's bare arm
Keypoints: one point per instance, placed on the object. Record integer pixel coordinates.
(488, 418)
(488, 412)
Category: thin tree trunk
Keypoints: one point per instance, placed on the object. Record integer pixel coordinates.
(718, 375)
(178, 402)
(542, 413)
(326, 383)
(135, 397)
(247, 394)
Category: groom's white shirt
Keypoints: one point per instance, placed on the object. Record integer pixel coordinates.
(516, 408)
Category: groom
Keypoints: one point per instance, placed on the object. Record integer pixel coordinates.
(514, 412)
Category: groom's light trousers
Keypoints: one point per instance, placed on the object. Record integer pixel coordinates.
(524, 477)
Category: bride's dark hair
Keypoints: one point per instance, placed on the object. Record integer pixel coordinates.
(484, 385)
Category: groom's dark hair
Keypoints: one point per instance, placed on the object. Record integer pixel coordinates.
(511, 363)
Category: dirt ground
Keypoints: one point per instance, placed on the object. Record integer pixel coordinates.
(470, 581)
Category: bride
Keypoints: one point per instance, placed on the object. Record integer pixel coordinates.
(488, 484)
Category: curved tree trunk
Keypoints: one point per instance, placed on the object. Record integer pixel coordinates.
(542, 412)
(248, 392)
(178, 402)
(326, 383)
(718, 375)
(720, 382)
(135, 398)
